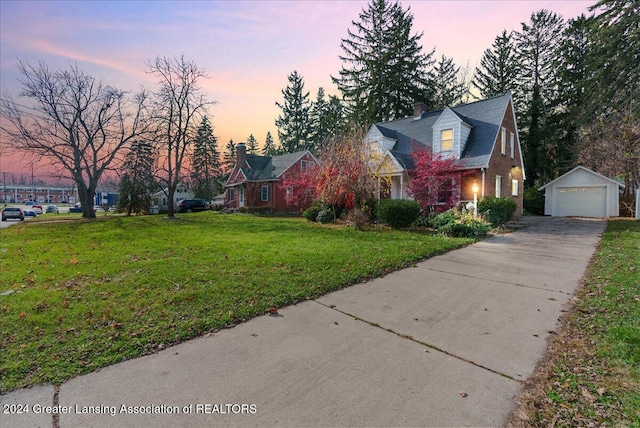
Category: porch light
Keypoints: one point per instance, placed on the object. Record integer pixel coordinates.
(474, 189)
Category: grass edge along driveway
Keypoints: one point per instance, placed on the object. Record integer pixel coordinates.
(82, 295)
(590, 375)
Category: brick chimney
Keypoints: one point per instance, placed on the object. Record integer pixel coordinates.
(419, 109)
(241, 154)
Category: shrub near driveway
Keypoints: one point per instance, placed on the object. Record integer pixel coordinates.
(84, 294)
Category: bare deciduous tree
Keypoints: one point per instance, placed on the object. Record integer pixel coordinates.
(179, 107)
(77, 123)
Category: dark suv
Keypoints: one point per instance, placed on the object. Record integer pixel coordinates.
(192, 205)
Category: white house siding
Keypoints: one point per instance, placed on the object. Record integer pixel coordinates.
(375, 136)
(582, 192)
(449, 120)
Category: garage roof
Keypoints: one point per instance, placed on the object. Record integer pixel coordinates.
(584, 169)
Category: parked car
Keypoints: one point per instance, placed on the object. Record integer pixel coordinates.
(75, 209)
(12, 212)
(28, 212)
(37, 209)
(52, 209)
(29, 203)
(192, 205)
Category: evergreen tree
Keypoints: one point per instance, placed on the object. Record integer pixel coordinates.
(615, 59)
(138, 182)
(327, 119)
(229, 157)
(294, 126)
(537, 48)
(252, 145)
(205, 163)
(269, 148)
(384, 69)
(498, 70)
(449, 89)
(614, 91)
(573, 72)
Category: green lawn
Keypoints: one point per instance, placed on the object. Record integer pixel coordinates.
(79, 295)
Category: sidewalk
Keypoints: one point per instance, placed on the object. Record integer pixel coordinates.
(445, 343)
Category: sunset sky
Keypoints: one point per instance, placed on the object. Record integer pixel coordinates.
(247, 47)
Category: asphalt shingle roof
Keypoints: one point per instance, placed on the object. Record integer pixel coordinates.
(484, 116)
(265, 168)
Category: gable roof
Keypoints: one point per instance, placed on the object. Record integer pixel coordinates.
(269, 168)
(578, 168)
(484, 117)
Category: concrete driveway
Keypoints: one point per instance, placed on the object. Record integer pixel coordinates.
(445, 343)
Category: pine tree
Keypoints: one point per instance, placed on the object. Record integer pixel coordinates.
(205, 163)
(573, 73)
(614, 91)
(229, 157)
(615, 59)
(537, 48)
(138, 182)
(449, 90)
(498, 70)
(252, 145)
(294, 126)
(327, 119)
(269, 148)
(384, 69)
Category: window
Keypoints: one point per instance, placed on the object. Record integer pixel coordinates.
(264, 193)
(230, 194)
(446, 140)
(303, 165)
(514, 187)
(512, 147)
(498, 186)
(503, 141)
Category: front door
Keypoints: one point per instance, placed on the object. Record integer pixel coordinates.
(241, 197)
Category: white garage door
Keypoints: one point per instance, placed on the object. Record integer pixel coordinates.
(580, 201)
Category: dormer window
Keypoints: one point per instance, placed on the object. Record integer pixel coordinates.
(446, 140)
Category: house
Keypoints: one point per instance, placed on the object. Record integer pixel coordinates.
(159, 200)
(256, 181)
(481, 136)
(582, 193)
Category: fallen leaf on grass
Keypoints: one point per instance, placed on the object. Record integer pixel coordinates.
(601, 391)
(73, 261)
(587, 395)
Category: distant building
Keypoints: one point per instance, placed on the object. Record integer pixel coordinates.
(160, 202)
(42, 194)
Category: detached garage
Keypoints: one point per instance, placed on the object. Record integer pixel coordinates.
(582, 193)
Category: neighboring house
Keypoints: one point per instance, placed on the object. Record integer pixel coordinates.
(582, 193)
(482, 136)
(159, 200)
(219, 199)
(256, 181)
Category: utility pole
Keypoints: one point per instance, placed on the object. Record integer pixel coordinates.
(33, 189)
